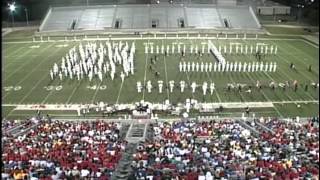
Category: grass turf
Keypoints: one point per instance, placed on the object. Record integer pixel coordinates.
(291, 30)
(29, 68)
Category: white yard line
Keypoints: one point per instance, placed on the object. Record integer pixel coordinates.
(145, 74)
(266, 97)
(230, 77)
(275, 81)
(188, 78)
(244, 99)
(307, 77)
(250, 57)
(18, 61)
(95, 93)
(25, 63)
(165, 68)
(189, 84)
(299, 50)
(23, 55)
(31, 90)
(296, 59)
(73, 91)
(12, 52)
(10, 47)
(307, 93)
(9, 113)
(5, 63)
(294, 102)
(274, 102)
(310, 44)
(47, 96)
(119, 92)
(22, 42)
(35, 68)
(215, 91)
(300, 72)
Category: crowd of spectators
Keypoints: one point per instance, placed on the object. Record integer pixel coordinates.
(190, 150)
(225, 150)
(186, 150)
(60, 150)
(17, 125)
(7, 125)
(297, 144)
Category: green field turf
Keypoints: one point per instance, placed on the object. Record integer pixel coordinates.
(29, 68)
(291, 30)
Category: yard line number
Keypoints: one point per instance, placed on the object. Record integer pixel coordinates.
(95, 87)
(12, 88)
(53, 88)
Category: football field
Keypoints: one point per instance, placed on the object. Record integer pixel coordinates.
(26, 79)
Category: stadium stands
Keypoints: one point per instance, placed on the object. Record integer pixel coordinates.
(209, 150)
(8, 125)
(241, 18)
(203, 17)
(61, 19)
(224, 149)
(147, 17)
(64, 149)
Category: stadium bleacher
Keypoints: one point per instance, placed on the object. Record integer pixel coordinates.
(63, 149)
(142, 16)
(223, 149)
(240, 18)
(203, 17)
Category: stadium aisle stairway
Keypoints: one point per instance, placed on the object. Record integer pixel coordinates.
(124, 169)
(245, 125)
(124, 129)
(264, 127)
(135, 133)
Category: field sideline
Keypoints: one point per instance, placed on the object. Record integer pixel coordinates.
(26, 66)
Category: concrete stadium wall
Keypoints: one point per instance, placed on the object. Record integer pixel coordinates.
(226, 2)
(273, 10)
(150, 31)
(282, 10)
(265, 10)
(8, 24)
(21, 28)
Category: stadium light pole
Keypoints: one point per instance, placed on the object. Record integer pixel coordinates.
(12, 8)
(300, 7)
(26, 10)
